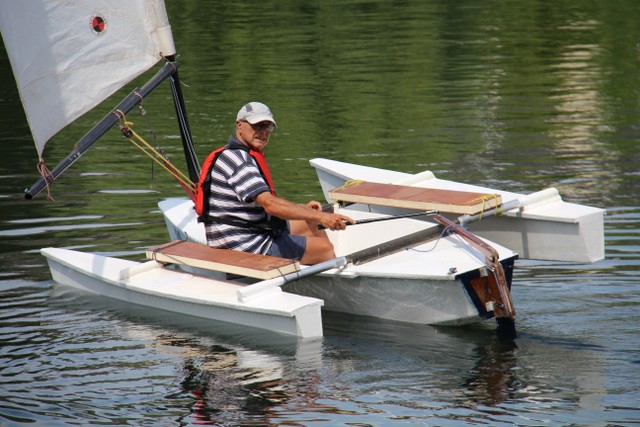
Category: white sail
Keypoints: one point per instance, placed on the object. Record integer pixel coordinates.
(69, 55)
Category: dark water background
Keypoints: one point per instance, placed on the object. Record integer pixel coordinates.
(517, 95)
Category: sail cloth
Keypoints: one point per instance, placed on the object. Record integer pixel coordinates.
(69, 55)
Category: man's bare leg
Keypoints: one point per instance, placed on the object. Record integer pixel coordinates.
(319, 247)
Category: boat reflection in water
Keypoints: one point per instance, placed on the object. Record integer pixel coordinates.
(221, 367)
(362, 366)
(369, 365)
(423, 367)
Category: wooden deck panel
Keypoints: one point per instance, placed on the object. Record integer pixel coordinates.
(401, 196)
(224, 260)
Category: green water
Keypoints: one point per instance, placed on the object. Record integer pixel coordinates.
(516, 95)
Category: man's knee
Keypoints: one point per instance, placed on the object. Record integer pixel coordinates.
(318, 250)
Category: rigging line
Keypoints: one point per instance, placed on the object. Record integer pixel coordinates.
(174, 171)
(348, 183)
(144, 113)
(158, 250)
(166, 164)
(136, 93)
(297, 270)
(127, 132)
(170, 62)
(487, 198)
(147, 119)
(409, 248)
(47, 176)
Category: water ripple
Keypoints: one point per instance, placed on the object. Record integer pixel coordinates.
(54, 228)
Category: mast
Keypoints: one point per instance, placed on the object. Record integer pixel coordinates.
(102, 127)
(193, 166)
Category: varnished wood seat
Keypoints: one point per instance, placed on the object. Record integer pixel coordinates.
(224, 260)
(402, 196)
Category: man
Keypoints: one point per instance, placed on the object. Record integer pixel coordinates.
(244, 212)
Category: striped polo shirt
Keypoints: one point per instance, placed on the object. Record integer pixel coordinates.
(235, 182)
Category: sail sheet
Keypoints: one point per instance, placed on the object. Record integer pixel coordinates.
(69, 55)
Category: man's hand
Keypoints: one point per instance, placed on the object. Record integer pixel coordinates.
(335, 221)
(330, 220)
(312, 211)
(317, 206)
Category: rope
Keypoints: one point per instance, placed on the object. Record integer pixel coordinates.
(46, 175)
(161, 248)
(143, 113)
(451, 231)
(153, 153)
(413, 248)
(346, 184)
(296, 265)
(485, 199)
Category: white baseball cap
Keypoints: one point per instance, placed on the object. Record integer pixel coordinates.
(255, 112)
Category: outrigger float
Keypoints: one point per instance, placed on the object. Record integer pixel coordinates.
(412, 256)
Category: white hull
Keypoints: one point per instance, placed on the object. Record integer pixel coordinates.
(151, 285)
(421, 301)
(547, 228)
(423, 285)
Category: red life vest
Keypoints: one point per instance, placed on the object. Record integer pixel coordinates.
(203, 189)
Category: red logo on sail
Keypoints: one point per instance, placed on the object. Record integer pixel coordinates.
(98, 24)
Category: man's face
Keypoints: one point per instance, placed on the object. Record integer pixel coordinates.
(255, 136)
